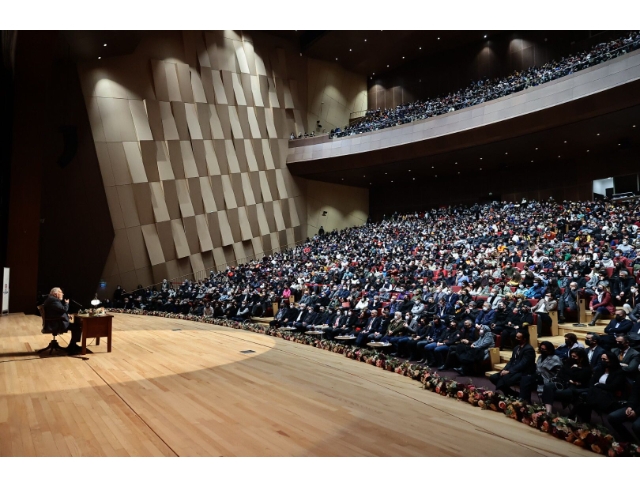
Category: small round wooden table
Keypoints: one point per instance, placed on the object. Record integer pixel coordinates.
(288, 328)
(314, 333)
(380, 345)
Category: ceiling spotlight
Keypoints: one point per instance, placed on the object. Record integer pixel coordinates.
(481, 158)
(370, 183)
(365, 40)
(436, 175)
(392, 181)
(336, 59)
(633, 126)
(374, 74)
(370, 77)
(432, 167)
(343, 179)
(455, 163)
(587, 150)
(300, 54)
(402, 57)
(558, 157)
(99, 57)
(618, 144)
(387, 65)
(104, 45)
(531, 160)
(386, 173)
(598, 135)
(414, 179)
(364, 176)
(458, 172)
(409, 170)
(420, 48)
(438, 38)
(536, 148)
(481, 169)
(565, 141)
(349, 50)
(485, 36)
(506, 153)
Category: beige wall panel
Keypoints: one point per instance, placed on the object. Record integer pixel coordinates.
(211, 159)
(252, 163)
(192, 121)
(184, 82)
(95, 119)
(184, 199)
(197, 264)
(282, 237)
(148, 153)
(226, 55)
(188, 160)
(264, 90)
(191, 231)
(173, 270)
(251, 57)
(245, 79)
(129, 279)
(123, 251)
(291, 239)
(277, 213)
(346, 206)
(159, 272)
(293, 88)
(160, 80)
(247, 247)
(234, 122)
(297, 234)
(264, 187)
(175, 156)
(225, 229)
(142, 196)
(254, 128)
(212, 38)
(219, 258)
(280, 85)
(266, 244)
(102, 151)
(247, 190)
(158, 203)
(138, 248)
(282, 189)
(155, 119)
(263, 222)
(165, 170)
(168, 122)
(144, 277)
(140, 120)
(214, 230)
(229, 255)
(111, 265)
(218, 88)
(237, 88)
(271, 128)
(236, 184)
(273, 187)
(152, 242)
(214, 123)
(207, 195)
(279, 120)
(117, 121)
(203, 233)
(179, 239)
(171, 198)
(252, 216)
(229, 197)
(180, 117)
(172, 81)
(258, 250)
(134, 161)
(166, 241)
(218, 192)
(255, 91)
(299, 123)
(232, 159)
(128, 205)
(200, 157)
(113, 201)
(241, 155)
(254, 177)
(207, 260)
(207, 84)
(273, 95)
(119, 166)
(234, 224)
(260, 64)
(227, 83)
(262, 122)
(293, 214)
(258, 152)
(243, 118)
(292, 186)
(284, 209)
(275, 244)
(238, 250)
(245, 227)
(204, 116)
(184, 266)
(283, 149)
(201, 49)
(225, 123)
(241, 57)
(288, 98)
(268, 210)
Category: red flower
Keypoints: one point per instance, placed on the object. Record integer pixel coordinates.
(502, 405)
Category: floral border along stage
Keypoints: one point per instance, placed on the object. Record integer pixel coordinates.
(594, 438)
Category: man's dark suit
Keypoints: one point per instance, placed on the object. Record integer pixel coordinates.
(56, 309)
(632, 359)
(619, 417)
(522, 362)
(596, 358)
(373, 325)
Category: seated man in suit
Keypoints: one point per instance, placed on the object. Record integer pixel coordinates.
(594, 350)
(618, 326)
(373, 325)
(55, 307)
(629, 358)
(522, 362)
(629, 413)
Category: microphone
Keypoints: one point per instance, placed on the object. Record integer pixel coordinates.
(75, 302)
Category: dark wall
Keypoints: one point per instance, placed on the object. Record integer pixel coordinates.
(497, 56)
(59, 223)
(571, 180)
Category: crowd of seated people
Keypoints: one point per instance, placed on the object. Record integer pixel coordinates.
(486, 89)
(444, 286)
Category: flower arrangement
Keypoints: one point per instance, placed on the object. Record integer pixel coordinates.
(595, 438)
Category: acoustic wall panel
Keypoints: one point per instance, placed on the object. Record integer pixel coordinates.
(218, 88)
(172, 81)
(168, 122)
(192, 121)
(213, 167)
(214, 123)
(128, 205)
(189, 162)
(140, 120)
(197, 264)
(232, 159)
(203, 233)
(207, 195)
(184, 82)
(165, 170)
(152, 242)
(180, 118)
(254, 128)
(237, 89)
(245, 228)
(179, 239)
(236, 129)
(134, 161)
(184, 199)
(225, 229)
(160, 211)
(148, 154)
(229, 197)
(199, 95)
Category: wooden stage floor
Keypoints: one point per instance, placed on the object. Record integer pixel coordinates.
(173, 387)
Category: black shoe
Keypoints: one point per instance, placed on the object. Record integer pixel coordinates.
(561, 321)
(580, 324)
(393, 354)
(74, 349)
(459, 370)
(442, 367)
(592, 324)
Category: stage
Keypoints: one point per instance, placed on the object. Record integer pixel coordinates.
(178, 388)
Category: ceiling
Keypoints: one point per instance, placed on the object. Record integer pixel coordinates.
(607, 134)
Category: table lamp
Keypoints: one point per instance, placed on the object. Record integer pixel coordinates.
(95, 301)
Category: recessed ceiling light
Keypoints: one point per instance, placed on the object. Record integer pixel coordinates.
(300, 54)
(458, 172)
(565, 141)
(536, 148)
(419, 48)
(432, 167)
(364, 176)
(587, 150)
(481, 158)
(436, 175)
(506, 153)
(409, 170)
(336, 59)
(558, 157)
(350, 50)
(531, 160)
(343, 179)
(633, 126)
(438, 38)
(386, 173)
(99, 57)
(414, 179)
(105, 45)
(387, 65)
(485, 36)
(365, 40)
(481, 169)
(598, 135)
(374, 74)
(392, 181)
(455, 163)
(618, 144)
(370, 77)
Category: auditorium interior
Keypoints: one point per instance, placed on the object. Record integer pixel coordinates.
(320, 243)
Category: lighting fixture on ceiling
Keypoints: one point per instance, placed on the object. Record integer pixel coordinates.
(598, 135)
(350, 50)
(485, 36)
(99, 57)
(105, 45)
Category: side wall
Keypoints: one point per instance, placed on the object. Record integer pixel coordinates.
(345, 206)
(333, 93)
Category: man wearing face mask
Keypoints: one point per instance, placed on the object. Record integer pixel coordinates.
(568, 302)
(594, 350)
(486, 316)
(440, 351)
(469, 353)
(601, 304)
(632, 305)
(500, 319)
(570, 343)
(628, 414)
(522, 362)
(629, 358)
(618, 326)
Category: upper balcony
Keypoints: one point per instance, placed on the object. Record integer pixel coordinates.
(605, 88)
